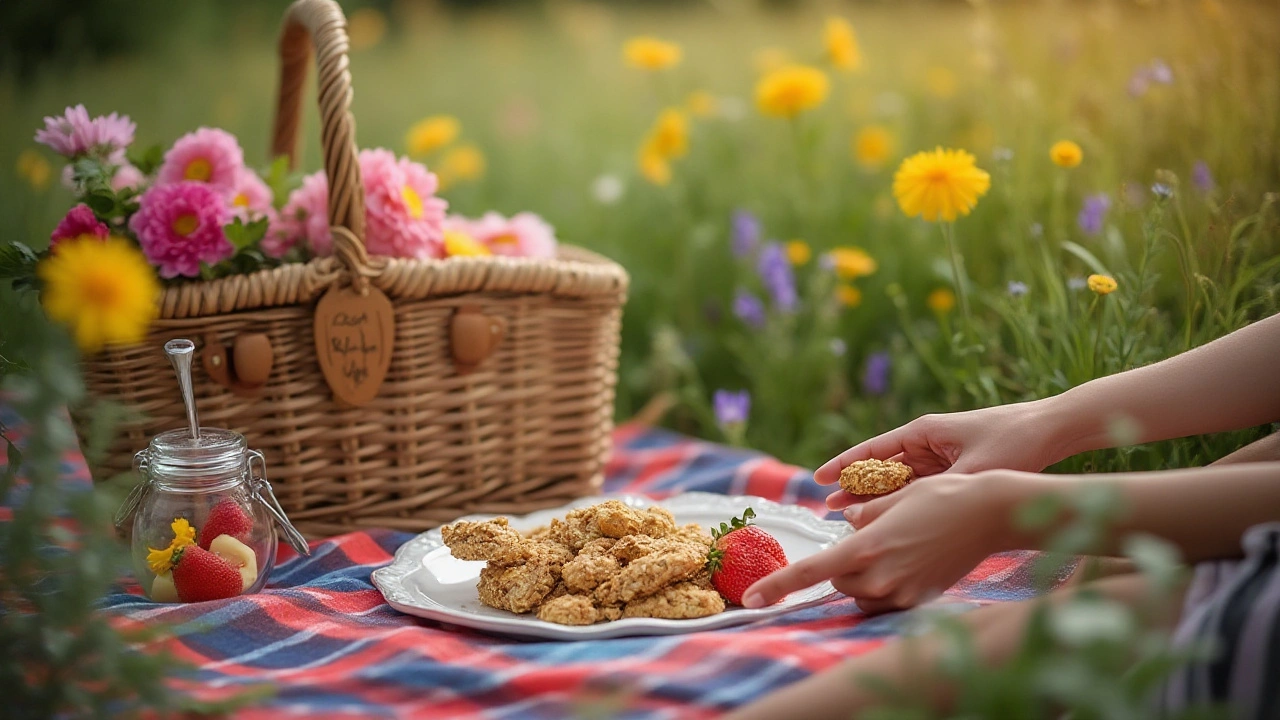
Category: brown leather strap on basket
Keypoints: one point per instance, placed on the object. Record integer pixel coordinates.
(320, 24)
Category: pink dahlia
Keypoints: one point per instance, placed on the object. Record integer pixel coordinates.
(208, 155)
(303, 219)
(404, 218)
(79, 220)
(250, 198)
(179, 226)
(522, 235)
(74, 133)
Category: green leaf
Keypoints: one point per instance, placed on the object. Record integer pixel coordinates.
(243, 236)
(1089, 259)
(148, 160)
(1037, 513)
(17, 261)
(277, 178)
(102, 204)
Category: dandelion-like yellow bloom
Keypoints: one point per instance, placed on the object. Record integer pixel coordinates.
(460, 244)
(161, 560)
(431, 134)
(941, 82)
(1102, 284)
(939, 184)
(852, 262)
(650, 53)
(105, 291)
(791, 90)
(941, 301)
(701, 103)
(669, 137)
(799, 252)
(848, 295)
(461, 164)
(654, 167)
(872, 146)
(1065, 153)
(841, 45)
(33, 168)
(768, 59)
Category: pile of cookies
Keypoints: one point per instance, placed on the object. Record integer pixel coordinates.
(600, 563)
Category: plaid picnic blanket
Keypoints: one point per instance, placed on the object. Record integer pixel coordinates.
(323, 636)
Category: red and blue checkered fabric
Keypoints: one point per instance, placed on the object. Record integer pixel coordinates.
(322, 635)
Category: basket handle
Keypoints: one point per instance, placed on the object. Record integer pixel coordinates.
(321, 24)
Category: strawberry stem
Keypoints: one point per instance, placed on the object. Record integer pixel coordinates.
(734, 524)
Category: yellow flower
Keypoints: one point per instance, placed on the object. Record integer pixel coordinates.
(161, 560)
(848, 295)
(941, 301)
(33, 168)
(1102, 284)
(769, 59)
(461, 164)
(852, 262)
(104, 290)
(654, 167)
(701, 103)
(669, 137)
(460, 244)
(432, 134)
(1065, 153)
(842, 45)
(650, 53)
(366, 27)
(799, 252)
(791, 90)
(939, 184)
(940, 81)
(872, 146)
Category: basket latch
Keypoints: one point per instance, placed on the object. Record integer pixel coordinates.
(473, 336)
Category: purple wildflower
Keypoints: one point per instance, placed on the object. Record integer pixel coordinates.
(732, 408)
(779, 278)
(1201, 177)
(746, 233)
(1093, 213)
(1160, 72)
(1017, 289)
(749, 309)
(875, 376)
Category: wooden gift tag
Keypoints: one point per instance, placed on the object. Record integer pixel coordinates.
(354, 338)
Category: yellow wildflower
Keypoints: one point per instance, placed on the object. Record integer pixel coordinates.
(1065, 153)
(848, 295)
(872, 146)
(1102, 284)
(366, 27)
(799, 252)
(650, 53)
(701, 103)
(940, 81)
(852, 262)
(654, 167)
(460, 244)
(461, 164)
(769, 59)
(842, 45)
(941, 301)
(431, 134)
(161, 560)
(791, 90)
(104, 290)
(669, 137)
(33, 168)
(939, 184)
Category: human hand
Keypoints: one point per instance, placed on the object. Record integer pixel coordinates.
(1021, 436)
(910, 545)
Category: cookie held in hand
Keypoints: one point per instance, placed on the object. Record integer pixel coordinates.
(874, 477)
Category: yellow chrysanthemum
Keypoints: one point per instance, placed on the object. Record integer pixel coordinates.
(366, 27)
(431, 134)
(461, 164)
(768, 59)
(841, 45)
(941, 301)
(669, 136)
(701, 103)
(791, 90)
(1065, 153)
(33, 168)
(1102, 284)
(460, 244)
(848, 295)
(105, 291)
(852, 262)
(650, 53)
(940, 81)
(161, 560)
(872, 146)
(799, 252)
(654, 167)
(939, 184)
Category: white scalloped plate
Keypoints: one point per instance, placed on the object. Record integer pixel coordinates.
(426, 581)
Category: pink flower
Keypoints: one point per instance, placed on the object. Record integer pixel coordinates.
(79, 220)
(73, 133)
(207, 155)
(250, 198)
(404, 218)
(179, 226)
(303, 219)
(128, 176)
(523, 235)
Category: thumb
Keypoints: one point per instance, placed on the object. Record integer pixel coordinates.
(862, 514)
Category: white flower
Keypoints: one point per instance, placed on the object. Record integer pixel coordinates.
(607, 189)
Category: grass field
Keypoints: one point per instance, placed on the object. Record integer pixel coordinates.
(1148, 90)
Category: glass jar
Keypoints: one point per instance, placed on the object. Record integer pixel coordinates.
(202, 523)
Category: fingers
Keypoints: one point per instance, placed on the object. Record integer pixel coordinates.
(865, 513)
(881, 447)
(840, 499)
(833, 561)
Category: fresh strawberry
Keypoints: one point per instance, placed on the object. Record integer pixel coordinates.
(226, 518)
(743, 554)
(199, 575)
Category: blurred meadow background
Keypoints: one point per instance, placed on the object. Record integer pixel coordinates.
(780, 297)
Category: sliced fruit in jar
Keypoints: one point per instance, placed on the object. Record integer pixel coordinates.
(226, 518)
(162, 589)
(200, 575)
(239, 555)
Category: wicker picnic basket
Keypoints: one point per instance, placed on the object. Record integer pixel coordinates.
(498, 396)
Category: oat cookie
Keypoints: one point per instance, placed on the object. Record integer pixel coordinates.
(874, 477)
